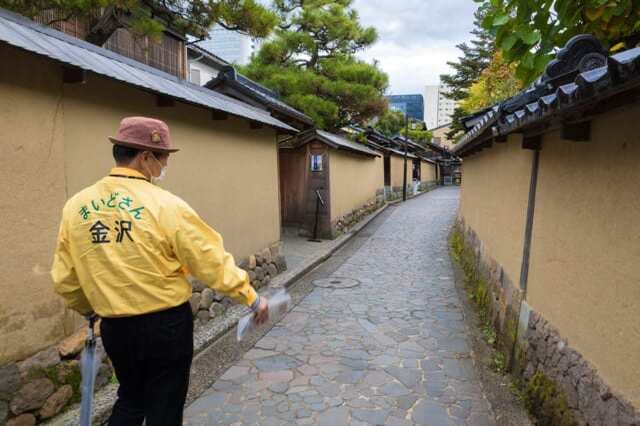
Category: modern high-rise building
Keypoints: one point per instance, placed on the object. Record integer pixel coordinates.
(438, 108)
(229, 45)
(411, 105)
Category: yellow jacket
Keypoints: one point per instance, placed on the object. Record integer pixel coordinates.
(123, 244)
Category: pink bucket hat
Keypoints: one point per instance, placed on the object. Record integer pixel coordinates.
(144, 133)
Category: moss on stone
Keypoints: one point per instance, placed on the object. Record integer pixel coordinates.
(72, 377)
(456, 245)
(499, 362)
(520, 360)
(511, 328)
(50, 373)
(113, 380)
(476, 285)
(508, 336)
(482, 298)
(544, 401)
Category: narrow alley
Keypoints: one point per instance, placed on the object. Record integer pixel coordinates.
(380, 340)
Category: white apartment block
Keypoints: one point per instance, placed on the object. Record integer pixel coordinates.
(203, 65)
(231, 46)
(438, 109)
(201, 73)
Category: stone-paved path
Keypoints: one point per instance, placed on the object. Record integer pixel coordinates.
(391, 351)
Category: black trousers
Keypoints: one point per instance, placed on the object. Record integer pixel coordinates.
(151, 356)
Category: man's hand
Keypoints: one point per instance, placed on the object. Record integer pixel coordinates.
(262, 313)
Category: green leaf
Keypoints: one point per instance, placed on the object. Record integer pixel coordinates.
(524, 74)
(540, 62)
(508, 42)
(528, 60)
(487, 22)
(530, 38)
(500, 20)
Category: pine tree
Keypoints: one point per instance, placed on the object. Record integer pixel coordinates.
(467, 70)
(311, 63)
(390, 123)
(469, 66)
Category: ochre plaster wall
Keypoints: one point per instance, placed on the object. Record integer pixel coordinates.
(427, 172)
(33, 183)
(494, 198)
(57, 144)
(354, 180)
(397, 167)
(584, 273)
(440, 134)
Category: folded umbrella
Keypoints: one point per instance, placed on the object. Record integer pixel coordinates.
(89, 368)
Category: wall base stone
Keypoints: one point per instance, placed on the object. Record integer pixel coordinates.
(262, 267)
(4, 412)
(9, 381)
(348, 221)
(591, 400)
(395, 192)
(427, 185)
(44, 384)
(535, 348)
(22, 420)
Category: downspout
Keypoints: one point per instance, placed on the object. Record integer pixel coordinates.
(526, 249)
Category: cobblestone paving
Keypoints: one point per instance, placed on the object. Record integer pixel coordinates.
(391, 351)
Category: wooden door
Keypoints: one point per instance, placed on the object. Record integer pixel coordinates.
(292, 185)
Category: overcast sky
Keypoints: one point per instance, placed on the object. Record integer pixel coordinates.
(415, 38)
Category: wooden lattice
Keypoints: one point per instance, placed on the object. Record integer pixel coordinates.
(167, 54)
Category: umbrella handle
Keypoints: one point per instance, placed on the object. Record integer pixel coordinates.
(92, 321)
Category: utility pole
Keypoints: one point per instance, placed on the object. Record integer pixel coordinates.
(404, 175)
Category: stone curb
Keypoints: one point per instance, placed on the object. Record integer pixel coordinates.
(207, 335)
(290, 279)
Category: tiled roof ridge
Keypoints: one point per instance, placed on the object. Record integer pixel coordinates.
(338, 141)
(600, 76)
(270, 97)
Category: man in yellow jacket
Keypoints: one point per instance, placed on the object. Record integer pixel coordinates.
(123, 246)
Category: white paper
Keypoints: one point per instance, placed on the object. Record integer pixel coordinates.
(278, 305)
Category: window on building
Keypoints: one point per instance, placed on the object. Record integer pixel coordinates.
(194, 76)
(316, 163)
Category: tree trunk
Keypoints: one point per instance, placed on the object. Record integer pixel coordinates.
(313, 61)
(104, 26)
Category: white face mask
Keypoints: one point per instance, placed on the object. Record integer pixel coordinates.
(163, 172)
